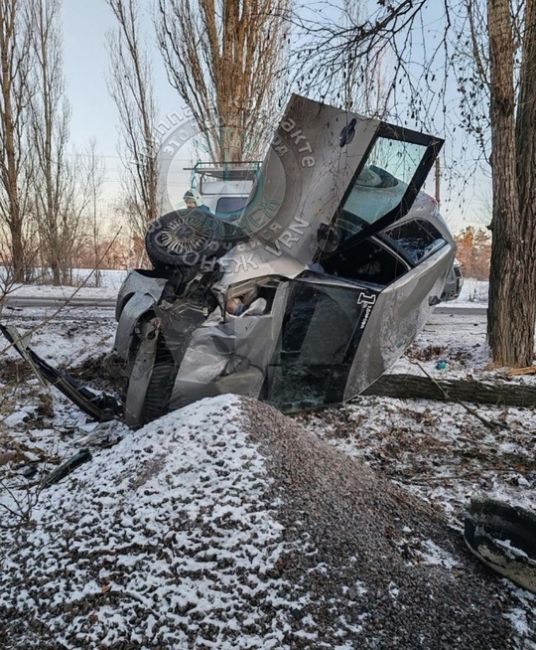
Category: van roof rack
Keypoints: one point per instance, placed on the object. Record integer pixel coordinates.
(238, 170)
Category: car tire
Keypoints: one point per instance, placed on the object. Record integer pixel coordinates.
(187, 237)
(161, 383)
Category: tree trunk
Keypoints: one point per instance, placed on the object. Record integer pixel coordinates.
(465, 390)
(525, 285)
(512, 277)
(18, 261)
(56, 272)
(9, 115)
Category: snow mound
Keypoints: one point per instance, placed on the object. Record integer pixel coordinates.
(225, 525)
(165, 540)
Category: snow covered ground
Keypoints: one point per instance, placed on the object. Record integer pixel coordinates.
(225, 526)
(105, 278)
(474, 292)
(198, 531)
(215, 557)
(84, 281)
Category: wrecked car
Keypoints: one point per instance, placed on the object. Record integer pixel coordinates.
(307, 297)
(306, 290)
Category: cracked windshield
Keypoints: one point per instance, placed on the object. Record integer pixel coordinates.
(381, 184)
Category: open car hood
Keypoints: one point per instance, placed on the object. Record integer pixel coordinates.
(322, 163)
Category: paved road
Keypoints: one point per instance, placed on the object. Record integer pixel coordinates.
(460, 325)
(453, 308)
(45, 301)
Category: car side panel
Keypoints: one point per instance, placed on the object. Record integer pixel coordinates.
(231, 355)
(399, 313)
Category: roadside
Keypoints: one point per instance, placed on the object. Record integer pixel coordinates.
(434, 452)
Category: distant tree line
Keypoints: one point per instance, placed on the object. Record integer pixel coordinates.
(474, 252)
(45, 187)
(225, 60)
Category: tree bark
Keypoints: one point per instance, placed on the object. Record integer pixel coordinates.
(18, 258)
(13, 89)
(512, 291)
(464, 390)
(524, 285)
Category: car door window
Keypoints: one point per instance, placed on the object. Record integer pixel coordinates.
(416, 239)
(366, 261)
(320, 333)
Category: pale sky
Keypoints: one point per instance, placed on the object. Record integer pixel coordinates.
(93, 112)
(94, 116)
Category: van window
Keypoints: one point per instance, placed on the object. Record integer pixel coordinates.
(229, 208)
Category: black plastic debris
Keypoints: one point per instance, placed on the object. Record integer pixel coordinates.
(504, 538)
(29, 471)
(101, 407)
(81, 457)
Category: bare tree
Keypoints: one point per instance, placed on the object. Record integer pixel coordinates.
(94, 170)
(55, 187)
(357, 87)
(131, 88)
(15, 56)
(224, 60)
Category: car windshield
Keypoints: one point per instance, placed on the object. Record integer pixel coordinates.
(381, 184)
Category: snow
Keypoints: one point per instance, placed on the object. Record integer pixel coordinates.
(435, 555)
(211, 569)
(178, 470)
(518, 618)
(438, 451)
(107, 278)
(84, 286)
(473, 293)
(63, 292)
(64, 339)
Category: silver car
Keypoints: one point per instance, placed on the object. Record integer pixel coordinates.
(311, 294)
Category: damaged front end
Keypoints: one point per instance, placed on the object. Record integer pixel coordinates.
(319, 286)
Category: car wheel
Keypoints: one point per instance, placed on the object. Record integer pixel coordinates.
(187, 237)
(160, 384)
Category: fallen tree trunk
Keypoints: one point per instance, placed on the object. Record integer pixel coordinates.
(464, 390)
